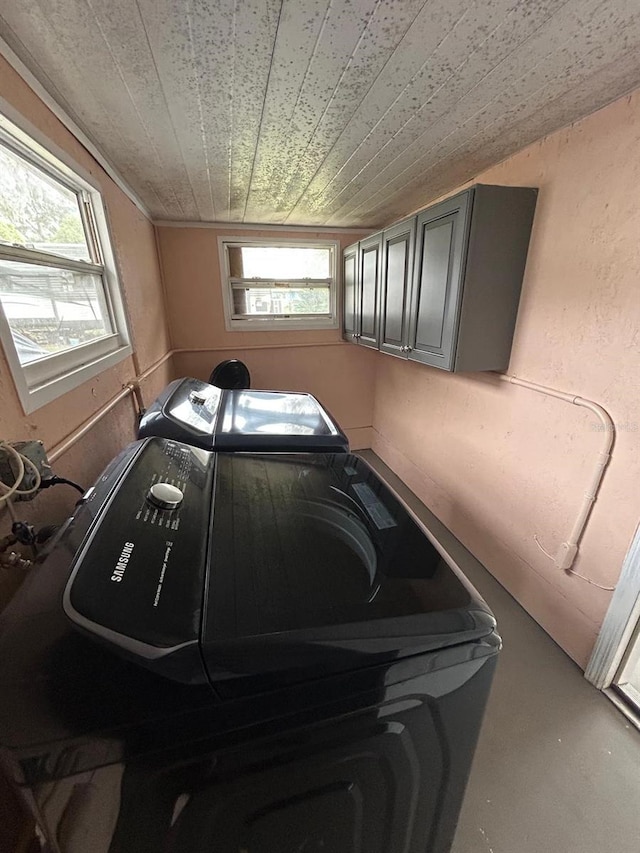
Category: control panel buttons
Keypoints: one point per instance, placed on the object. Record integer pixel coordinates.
(165, 496)
(198, 398)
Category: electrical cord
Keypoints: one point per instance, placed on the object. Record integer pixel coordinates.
(24, 462)
(571, 571)
(11, 510)
(7, 491)
(61, 481)
(593, 583)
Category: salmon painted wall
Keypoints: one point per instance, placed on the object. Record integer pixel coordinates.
(340, 375)
(501, 465)
(135, 250)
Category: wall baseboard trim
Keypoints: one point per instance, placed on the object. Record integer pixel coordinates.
(360, 438)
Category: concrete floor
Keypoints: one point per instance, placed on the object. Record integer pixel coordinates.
(557, 769)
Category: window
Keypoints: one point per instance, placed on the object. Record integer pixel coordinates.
(289, 284)
(62, 319)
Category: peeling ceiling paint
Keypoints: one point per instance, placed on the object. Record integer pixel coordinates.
(319, 112)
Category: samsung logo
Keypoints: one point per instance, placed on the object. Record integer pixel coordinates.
(121, 565)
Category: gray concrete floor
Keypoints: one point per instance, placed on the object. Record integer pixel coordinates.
(557, 768)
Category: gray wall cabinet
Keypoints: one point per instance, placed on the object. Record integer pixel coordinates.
(361, 272)
(395, 289)
(450, 280)
(350, 293)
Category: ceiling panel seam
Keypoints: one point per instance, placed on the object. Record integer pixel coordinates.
(166, 103)
(51, 14)
(428, 101)
(335, 90)
(386, 112)
(63, 116)
(437, 146)
(408, 121)
(65, 105)
(362, 99)
(231, 112)
(266, 91)
(203, 132)
(314, 53)
(488, 160)
(148, 135)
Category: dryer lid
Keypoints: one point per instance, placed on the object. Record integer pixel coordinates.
(274, 413)
(281, 421)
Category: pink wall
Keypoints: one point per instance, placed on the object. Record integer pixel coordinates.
(135, 249)
(340, 375)
(499, 464)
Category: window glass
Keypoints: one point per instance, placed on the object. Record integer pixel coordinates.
(37, 211)
(50, 309)
(279, 262)
(281, 301)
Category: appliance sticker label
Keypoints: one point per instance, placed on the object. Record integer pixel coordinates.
(167, 554)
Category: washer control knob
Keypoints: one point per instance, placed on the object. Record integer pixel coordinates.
(165, 496)
(198, 398)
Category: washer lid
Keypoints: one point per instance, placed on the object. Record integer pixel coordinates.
(314, 562)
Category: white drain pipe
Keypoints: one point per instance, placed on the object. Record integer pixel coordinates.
(568, 550)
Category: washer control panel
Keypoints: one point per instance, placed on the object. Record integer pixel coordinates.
(139, 577)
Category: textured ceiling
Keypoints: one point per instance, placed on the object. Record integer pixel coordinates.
(324, 112)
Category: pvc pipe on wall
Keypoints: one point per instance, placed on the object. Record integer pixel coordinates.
(568, 550)
(73, 438)
(130, 389)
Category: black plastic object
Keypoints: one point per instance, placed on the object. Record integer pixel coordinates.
(233, 690)
(205, 416)
(231, 374)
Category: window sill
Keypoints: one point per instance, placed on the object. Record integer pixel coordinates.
(268, 325)
(36, 397)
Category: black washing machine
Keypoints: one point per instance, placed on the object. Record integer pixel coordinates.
(243, 653)
(206, 416)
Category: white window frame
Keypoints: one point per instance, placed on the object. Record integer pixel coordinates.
(275, 323)
(41, 381)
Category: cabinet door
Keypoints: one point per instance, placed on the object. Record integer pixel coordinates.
(395, 288)
(370, 258)
(441, 239)
(350, 293)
